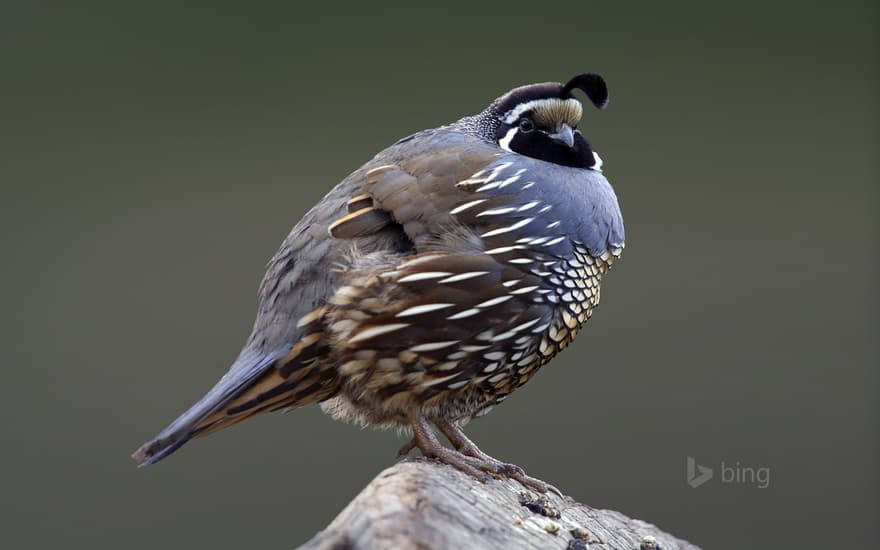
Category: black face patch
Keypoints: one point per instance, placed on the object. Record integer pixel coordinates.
(536, 143)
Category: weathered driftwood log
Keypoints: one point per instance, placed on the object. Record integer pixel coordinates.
(427, 505)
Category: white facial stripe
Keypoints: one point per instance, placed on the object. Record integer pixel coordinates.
(508, 137)
(521, 108)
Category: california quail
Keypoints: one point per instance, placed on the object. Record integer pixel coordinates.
(431, 282)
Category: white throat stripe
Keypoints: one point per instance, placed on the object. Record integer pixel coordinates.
(508, 137)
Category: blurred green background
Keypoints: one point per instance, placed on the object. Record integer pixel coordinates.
(154, 156)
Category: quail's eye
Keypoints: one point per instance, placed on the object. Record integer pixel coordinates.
(526, 125)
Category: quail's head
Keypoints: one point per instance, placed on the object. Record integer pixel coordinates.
(541, 121)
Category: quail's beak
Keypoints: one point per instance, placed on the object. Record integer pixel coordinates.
(564, 134)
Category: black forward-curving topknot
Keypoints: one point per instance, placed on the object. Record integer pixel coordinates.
(592, 84)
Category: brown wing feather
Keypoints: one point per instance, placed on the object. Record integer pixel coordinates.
(417, 192)
(359, 223)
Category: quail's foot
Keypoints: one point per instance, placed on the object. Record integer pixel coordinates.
(461, 442)
(467, 457)
(427, 442)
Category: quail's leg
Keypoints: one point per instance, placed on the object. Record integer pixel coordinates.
(427, 442)
(467, 447)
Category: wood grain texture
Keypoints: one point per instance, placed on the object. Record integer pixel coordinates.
(422, 504)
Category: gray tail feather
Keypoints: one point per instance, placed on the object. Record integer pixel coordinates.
(245, 369)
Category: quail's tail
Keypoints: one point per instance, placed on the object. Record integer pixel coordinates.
(246, 371)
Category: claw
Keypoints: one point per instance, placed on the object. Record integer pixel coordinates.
(554, 490)
(530, 482)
